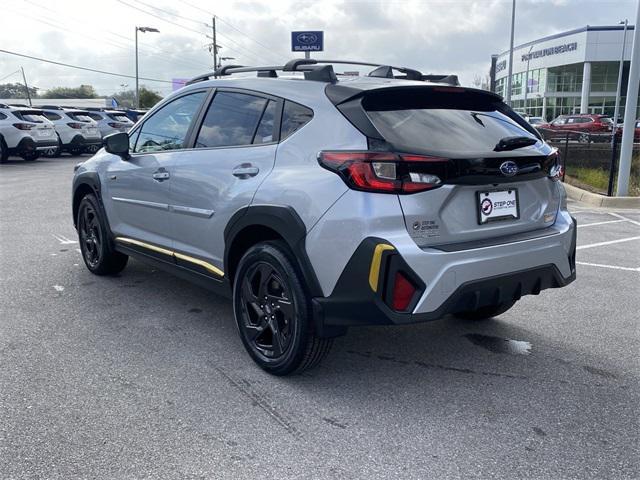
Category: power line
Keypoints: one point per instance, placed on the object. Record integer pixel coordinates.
(7, 76)
(257, 42)
(112, 42)
(190, 29)
(104, 72)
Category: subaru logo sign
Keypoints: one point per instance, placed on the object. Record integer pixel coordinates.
(309, 41)
(509, 168)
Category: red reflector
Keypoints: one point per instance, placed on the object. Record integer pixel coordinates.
(403, 291)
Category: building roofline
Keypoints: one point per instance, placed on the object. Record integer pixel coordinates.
(587, 28)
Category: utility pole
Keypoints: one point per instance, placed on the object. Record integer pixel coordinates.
(630, 112)
(214, 48)
(26, 87)
(137, 99)
(616, 113)
(510, 71)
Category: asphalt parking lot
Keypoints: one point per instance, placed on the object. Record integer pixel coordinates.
(143, 375)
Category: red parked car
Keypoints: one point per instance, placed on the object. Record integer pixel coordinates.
(582, 127)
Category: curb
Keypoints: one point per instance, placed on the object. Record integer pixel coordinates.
(596, 200)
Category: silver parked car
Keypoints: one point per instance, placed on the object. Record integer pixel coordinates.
(109, 121)
(24, 131)
(320, 203)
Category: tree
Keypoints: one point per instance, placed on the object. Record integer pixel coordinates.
(16, 90)
(148, 97)
(83, 91)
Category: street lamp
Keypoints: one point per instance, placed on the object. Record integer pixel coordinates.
(143, 30)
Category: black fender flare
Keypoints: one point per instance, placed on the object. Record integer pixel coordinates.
(285, 222)
(89, 179)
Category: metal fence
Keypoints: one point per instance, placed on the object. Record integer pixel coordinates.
(590, 160)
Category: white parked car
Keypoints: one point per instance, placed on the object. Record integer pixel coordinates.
(110, 121)
(77, 132)
(24, 131)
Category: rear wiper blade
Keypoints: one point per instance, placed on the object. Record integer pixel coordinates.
(513, 143)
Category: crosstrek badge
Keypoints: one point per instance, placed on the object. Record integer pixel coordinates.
(498, 205)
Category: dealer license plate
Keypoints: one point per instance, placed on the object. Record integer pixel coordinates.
(498, 205)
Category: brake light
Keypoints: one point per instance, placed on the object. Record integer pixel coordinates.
(116, 125)
(556, 171)
(386, 172)
(75, 125)
(23, 126)
(403, 291)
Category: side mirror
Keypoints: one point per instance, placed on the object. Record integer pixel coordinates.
(117, 144)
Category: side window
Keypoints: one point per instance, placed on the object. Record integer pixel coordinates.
(52, 116)
(2, 116)
(571, 120)
(294, 117)
(232, 120)
(167, 128)
(264, 134)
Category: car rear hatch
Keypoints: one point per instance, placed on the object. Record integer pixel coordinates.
(85, 124)
(41, 129)
(485, 172)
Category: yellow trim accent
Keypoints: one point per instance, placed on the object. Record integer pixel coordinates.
(181, 256)
(374, 271)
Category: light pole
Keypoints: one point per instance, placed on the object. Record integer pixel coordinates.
(510, 71)
(143, 30)
(616, 112)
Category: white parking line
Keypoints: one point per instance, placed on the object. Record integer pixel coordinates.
(611, 242)
(600, 223)
(63, 240)
(615, 267)
(617, 215)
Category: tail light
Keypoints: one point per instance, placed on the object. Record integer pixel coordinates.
(116, 125)
(75, 125)
(24, 126)
(555, 170)
(403, 291)
(385, 172)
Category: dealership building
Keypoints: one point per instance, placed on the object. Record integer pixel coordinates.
(565, 73)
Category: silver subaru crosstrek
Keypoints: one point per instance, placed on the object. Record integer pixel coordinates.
(319, 202)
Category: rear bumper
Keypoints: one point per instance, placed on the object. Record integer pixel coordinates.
(448, 281)
(28, 144)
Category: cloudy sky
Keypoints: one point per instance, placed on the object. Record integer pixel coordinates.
(435, 36)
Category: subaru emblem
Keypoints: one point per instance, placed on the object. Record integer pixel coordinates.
(509, 168)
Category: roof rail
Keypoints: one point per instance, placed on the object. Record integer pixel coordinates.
(322, 70)
(50, 107)
(18, 105)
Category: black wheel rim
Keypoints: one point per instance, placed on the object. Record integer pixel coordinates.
(267, 311)
(90, 236)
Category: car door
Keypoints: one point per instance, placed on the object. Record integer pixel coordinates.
(234, 149)
(137, 190)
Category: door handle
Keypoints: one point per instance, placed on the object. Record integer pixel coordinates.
(245, 170)
(160, 175)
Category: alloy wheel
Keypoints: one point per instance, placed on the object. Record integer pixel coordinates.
(90, 236)
(267, 311)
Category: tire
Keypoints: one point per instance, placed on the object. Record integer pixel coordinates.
(273, 311)
(485, 313)
(30, 156)
(584, 138)
(95, 245)
(4, 151)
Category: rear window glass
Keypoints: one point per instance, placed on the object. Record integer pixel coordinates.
(2, 116)
(35, 117)
(119, 117)
(94, 116)
(444, 123)
(79, 117)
